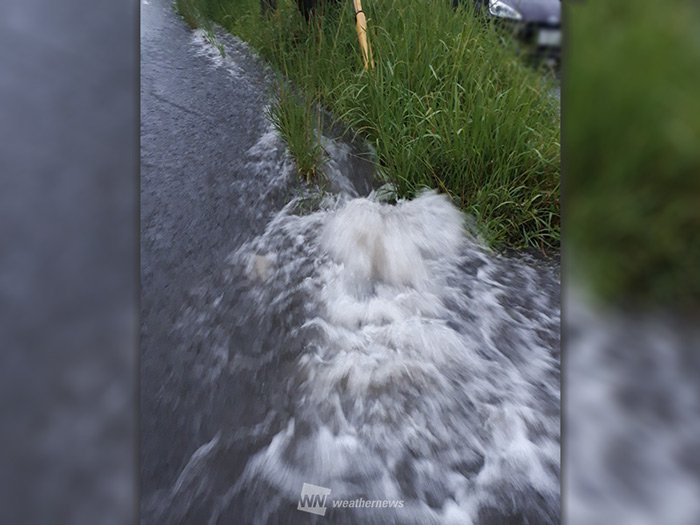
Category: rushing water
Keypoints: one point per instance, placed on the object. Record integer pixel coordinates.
(634, 403)
(416, 376)
(390, 356)
(374, 348)
(400, 359)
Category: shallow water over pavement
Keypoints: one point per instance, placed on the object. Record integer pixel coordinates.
(323, 337)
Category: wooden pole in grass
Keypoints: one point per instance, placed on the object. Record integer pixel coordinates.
(361, 23)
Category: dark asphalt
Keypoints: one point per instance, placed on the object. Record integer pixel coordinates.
(199, 200)
(213, 173)
(220, 375)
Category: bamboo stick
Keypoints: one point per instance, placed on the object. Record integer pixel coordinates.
(361, 23)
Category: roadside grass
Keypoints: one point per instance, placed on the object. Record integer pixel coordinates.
(189, 10)
(449, 104)
(298, 121)
(632, 150)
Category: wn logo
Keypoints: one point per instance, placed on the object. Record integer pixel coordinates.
(313, 499)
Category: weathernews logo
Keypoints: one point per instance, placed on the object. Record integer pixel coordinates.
(314, 499)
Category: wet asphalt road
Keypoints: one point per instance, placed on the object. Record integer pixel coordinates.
(197, 204)
(213, 173)
(216, 360)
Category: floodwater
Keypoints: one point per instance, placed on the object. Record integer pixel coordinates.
(324, 336)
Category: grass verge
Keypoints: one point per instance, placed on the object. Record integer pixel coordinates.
(298, 121)
(632, 133)
(190, 11)
(449, 104)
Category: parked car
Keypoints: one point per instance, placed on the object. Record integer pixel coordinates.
(537, 23)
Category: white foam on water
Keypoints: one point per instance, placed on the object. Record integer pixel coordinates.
(336, 160)
(417, 380)
(225, 51)
(636, 403)
(269, 160)
(424, 366)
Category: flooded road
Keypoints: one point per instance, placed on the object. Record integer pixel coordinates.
(292, 335)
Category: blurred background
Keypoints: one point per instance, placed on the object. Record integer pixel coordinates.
(69, 138)
(631, 261)
(69, 278)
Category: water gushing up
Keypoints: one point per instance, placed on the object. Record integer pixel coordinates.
(376, 349)
(402, 361)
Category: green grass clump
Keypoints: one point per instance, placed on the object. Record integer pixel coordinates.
(632, 150)
(449, 104)
(298, 121)
(189, 10)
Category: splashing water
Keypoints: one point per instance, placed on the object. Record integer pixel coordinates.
(374, 349)
(399, 360)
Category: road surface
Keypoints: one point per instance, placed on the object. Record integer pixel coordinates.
(293, 335)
